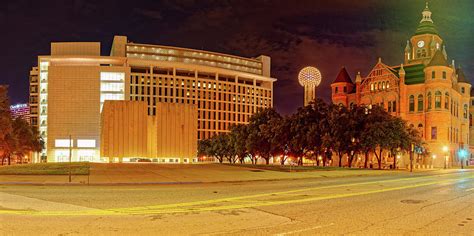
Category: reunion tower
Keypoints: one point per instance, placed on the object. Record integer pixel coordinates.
(310, 78)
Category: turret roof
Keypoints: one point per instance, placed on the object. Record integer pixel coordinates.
(343, 77)
(438, 59)
(461, 76)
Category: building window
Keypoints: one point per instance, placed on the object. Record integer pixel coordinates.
(470, 119)
(388, 85)
(86, 143)
(412, 103)
(345, 89)
(438, 99)
(62, 143)
(465, 111)
(446, 101)
(389, 106)
(420, 129)
(433, 74)
(463, 90)
(434, 133)
(429, 100)
(394, 106)
(383, 85)
(420, 102)
(444, 75)
(335, 90)
(372, 88)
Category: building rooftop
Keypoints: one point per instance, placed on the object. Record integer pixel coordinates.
(414, 74)
(461, 76)
(343, 77)
(438, 59)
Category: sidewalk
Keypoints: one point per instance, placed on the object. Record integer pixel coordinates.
(123, 174)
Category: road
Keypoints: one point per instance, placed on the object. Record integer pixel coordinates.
(434, 203)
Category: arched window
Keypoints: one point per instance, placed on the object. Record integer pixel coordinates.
(412, 103)
(437, 99)
(420, 129)
(446, 100)
(429, 100)
(421, 53)
(379, 87)
(465, 111)
(372, 87)
(420, 102)
(433, 74)
(388, 85)
(383, 85)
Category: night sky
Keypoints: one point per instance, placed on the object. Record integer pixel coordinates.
(325, 34)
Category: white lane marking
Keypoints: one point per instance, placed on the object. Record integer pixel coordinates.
(303, 230)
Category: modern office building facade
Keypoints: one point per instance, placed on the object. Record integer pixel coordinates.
(69, 87)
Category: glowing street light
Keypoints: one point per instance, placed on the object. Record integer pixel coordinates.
(445, 150)
(310, 78)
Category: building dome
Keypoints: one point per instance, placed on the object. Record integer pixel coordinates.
(309, 76)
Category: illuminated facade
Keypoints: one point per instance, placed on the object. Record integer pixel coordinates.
(21, 110)
(431, 94)
(69, 87)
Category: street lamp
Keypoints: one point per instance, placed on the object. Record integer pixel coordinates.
(445, 150)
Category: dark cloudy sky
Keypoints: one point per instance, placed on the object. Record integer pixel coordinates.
(325, 34)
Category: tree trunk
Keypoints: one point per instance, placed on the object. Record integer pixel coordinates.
(366, 159)
(394, 162)
(350, 158)
(339, 155)
(267, 160)
(9, 159)
(379, 159)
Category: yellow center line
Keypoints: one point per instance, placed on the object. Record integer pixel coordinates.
(235, 203)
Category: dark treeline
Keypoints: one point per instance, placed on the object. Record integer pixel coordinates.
(17, 137)
(318, 132)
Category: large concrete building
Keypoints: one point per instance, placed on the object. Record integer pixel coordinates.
(431, 94)
(68, 89)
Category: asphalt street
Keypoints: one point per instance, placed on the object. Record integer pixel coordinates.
(429, 203)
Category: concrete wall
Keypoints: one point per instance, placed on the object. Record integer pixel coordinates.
(75, 49)
(129, 132)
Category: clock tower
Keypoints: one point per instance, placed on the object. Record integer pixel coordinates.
(425, 42)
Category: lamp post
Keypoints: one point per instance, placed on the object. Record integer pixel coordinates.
(445, 150)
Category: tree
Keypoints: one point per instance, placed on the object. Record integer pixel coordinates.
(354, 131)
(259, 142)
(238, 138)
(7, 139)
(298, 127)
(378, 131)
(338, 136)
(318, 128)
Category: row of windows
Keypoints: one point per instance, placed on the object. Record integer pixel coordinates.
(336, 89)
(218, 86)
(433, 75)
(454, 108)
(379, 86)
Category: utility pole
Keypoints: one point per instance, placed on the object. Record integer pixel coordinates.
(411, 157)
(70, 157)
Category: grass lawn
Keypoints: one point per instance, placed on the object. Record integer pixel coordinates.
(77, 168)
(288, 168)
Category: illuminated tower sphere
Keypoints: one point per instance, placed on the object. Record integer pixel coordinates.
(310, 78)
